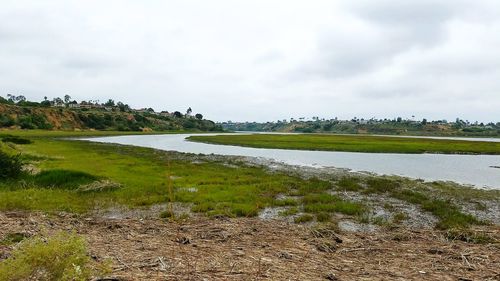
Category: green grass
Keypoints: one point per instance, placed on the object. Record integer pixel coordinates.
(349, 184)
(142, 176)
(211, 187)
(352, 143)
(65, 179)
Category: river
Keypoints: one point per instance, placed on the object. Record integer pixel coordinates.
(476, 170)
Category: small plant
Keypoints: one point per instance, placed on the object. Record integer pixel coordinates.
(381, 185)
(399, 217)
(388, 206)
(166, 214)
(289, 212)
(349, 184)
(60, 257)
(303, 218)
(379, 220)
(323, 217)
(10, 166)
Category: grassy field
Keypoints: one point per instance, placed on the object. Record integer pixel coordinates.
(80, 177)
(351, 143)
(139, 177)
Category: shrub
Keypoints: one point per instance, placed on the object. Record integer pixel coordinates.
(10, 166)
(61, 257)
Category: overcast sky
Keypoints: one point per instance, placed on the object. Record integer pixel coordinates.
(260, 60)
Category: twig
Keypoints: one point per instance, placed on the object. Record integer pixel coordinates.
(464, 258)
(120, 261)
(362, 249)
(163, 265)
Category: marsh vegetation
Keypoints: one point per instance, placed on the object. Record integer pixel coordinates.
(354, 143)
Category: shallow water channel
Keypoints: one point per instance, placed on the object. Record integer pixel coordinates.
(477, 170)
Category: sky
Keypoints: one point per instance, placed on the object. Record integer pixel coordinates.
(260, 60)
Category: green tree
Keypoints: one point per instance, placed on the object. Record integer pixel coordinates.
(110, 102)
(67, 99)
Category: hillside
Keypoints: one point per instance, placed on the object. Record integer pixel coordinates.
(373, 126)
(62, 118)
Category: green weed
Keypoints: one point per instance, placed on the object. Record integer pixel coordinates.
(60, 257)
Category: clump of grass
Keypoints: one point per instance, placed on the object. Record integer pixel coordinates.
(313, 185)
(12, 238)
(244, 210)
(182, 217)
(388, 206)
(303, 218)
(349, 184)
(323, 217)
(285, 202)
(226, 209)
(381, 185)
(64, 179)
(380, 221)
(166, 214)
(60, 257)
(399, 217)
(468, 236)
(344, 207)
(289, 212)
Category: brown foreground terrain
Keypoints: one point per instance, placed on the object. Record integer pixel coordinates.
(255, 249)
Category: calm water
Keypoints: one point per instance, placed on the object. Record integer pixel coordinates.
(467, 169)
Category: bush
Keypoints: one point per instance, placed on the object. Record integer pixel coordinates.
(61, 257)
(10, 166)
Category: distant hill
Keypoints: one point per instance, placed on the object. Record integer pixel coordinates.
(359, 126)
(98, 117)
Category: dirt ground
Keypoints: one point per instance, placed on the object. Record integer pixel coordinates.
(253, 249)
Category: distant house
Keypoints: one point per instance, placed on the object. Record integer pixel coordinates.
(85, 104)
(73, 104)
(142, 110)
